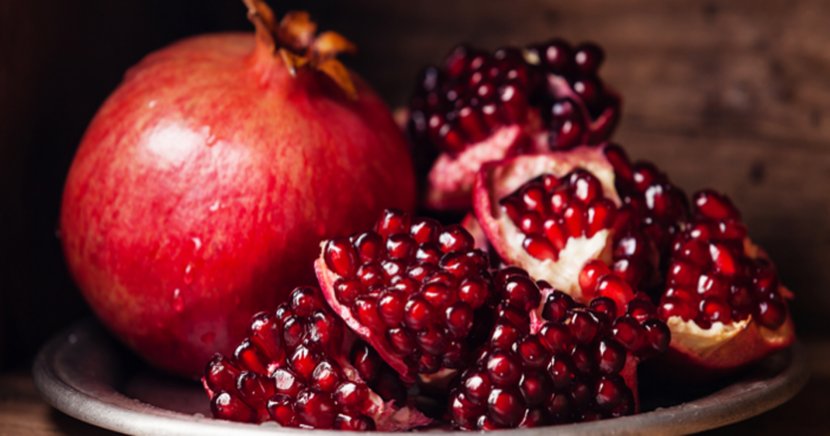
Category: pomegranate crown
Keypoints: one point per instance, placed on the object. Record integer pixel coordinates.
(296, 41)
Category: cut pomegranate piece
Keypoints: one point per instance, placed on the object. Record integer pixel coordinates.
(550, 213)
(482, 107)
(579, 365)
(723, 301)
(294, 369)
(413, 289)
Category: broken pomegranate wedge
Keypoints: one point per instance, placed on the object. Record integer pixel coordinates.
(579, 365)
(302, 368)
(550, 213)
(413, 289)
(482, 106)
(723, 301)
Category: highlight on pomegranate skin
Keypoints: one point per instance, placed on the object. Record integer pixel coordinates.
(481, 106)
(722, 298)
(580, 365)
(300, 367)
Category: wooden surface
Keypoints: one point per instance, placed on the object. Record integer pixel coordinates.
(22, 412)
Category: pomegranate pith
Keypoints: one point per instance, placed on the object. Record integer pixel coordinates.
(295, 369)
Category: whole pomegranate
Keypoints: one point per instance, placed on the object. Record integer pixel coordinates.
(204, 184)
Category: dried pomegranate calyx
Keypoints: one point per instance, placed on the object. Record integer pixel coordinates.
(294, 40)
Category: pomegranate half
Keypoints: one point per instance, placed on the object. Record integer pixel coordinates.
(203, 185)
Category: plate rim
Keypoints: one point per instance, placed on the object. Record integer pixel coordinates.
(119, 412)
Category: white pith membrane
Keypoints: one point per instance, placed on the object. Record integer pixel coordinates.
(450, 180)
(500, 179)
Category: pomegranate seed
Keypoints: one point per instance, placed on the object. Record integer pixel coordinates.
(225, 406)
(588, 58)
(392, 222)
(340, 257)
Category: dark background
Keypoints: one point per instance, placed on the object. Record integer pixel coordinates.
(729, 94)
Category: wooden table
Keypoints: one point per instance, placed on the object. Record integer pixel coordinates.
(23, 412)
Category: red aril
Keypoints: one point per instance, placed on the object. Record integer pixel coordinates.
(205, 182)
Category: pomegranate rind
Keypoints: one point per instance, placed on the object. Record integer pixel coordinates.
(327, 278)
(496, 180)
(725, 347)
(450, 180)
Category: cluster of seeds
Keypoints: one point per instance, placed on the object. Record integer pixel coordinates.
(476, 92)
(417, 286)
(551, 210)
(286, 371)
(711, 277)
(572, 369)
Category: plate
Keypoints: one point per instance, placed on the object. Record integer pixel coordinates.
(86, 374)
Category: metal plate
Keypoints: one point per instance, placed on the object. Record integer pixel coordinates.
(85, 374)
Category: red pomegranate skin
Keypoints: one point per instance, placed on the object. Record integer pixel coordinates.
(204, 184)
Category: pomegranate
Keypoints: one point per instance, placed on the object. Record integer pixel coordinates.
(295, 368)
(550, 213)
(416, 291)
(723, 300)
(204, 184)
(579, 365)
(482, 106)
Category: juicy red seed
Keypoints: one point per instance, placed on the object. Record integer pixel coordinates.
(266, 334)
(400, 247)
(610, 391)
(459, 320)
(341, 257)
(366, 311)
(628, 332)
(353, 423)
(503, 370)
(557, 55)
(556, 338)
(521, 292)
(716, 310)
(473, 125)
(463, 264)
(303, 361)
(586, 188)
(351, 395)
(677, 307)
(429, 363)
(590, 90)
(315, 409)
(369, 247)
(561, 372)
(713, 205)
(557, 306)
(504, 336)
(574, 220)
(615, 288)
(477, 386)
(286, 382)
(254, 388)
(304, 301)
(325, 377)
(583, 359)
(600, 215)
(281, 409)
(658, 335)
(401, 340)
(371, 274)
(455, 238)
(432, 341)
(514, 103)
(588, 58)
(226, 406)
(437, 294)
(559, 405)
(418, 314)
(428, 254)
(771, 314)
(293, 331)
(534, 387)
(390, 306)
(605, 306)
(610, 357)
(584, 326)
(392, 222)
(532, 352)
(250, 357)
(424, 230)
(366, 361)
(221, 374)
(505, 407)
(540, 248)
(474, 291)
(641, 308)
